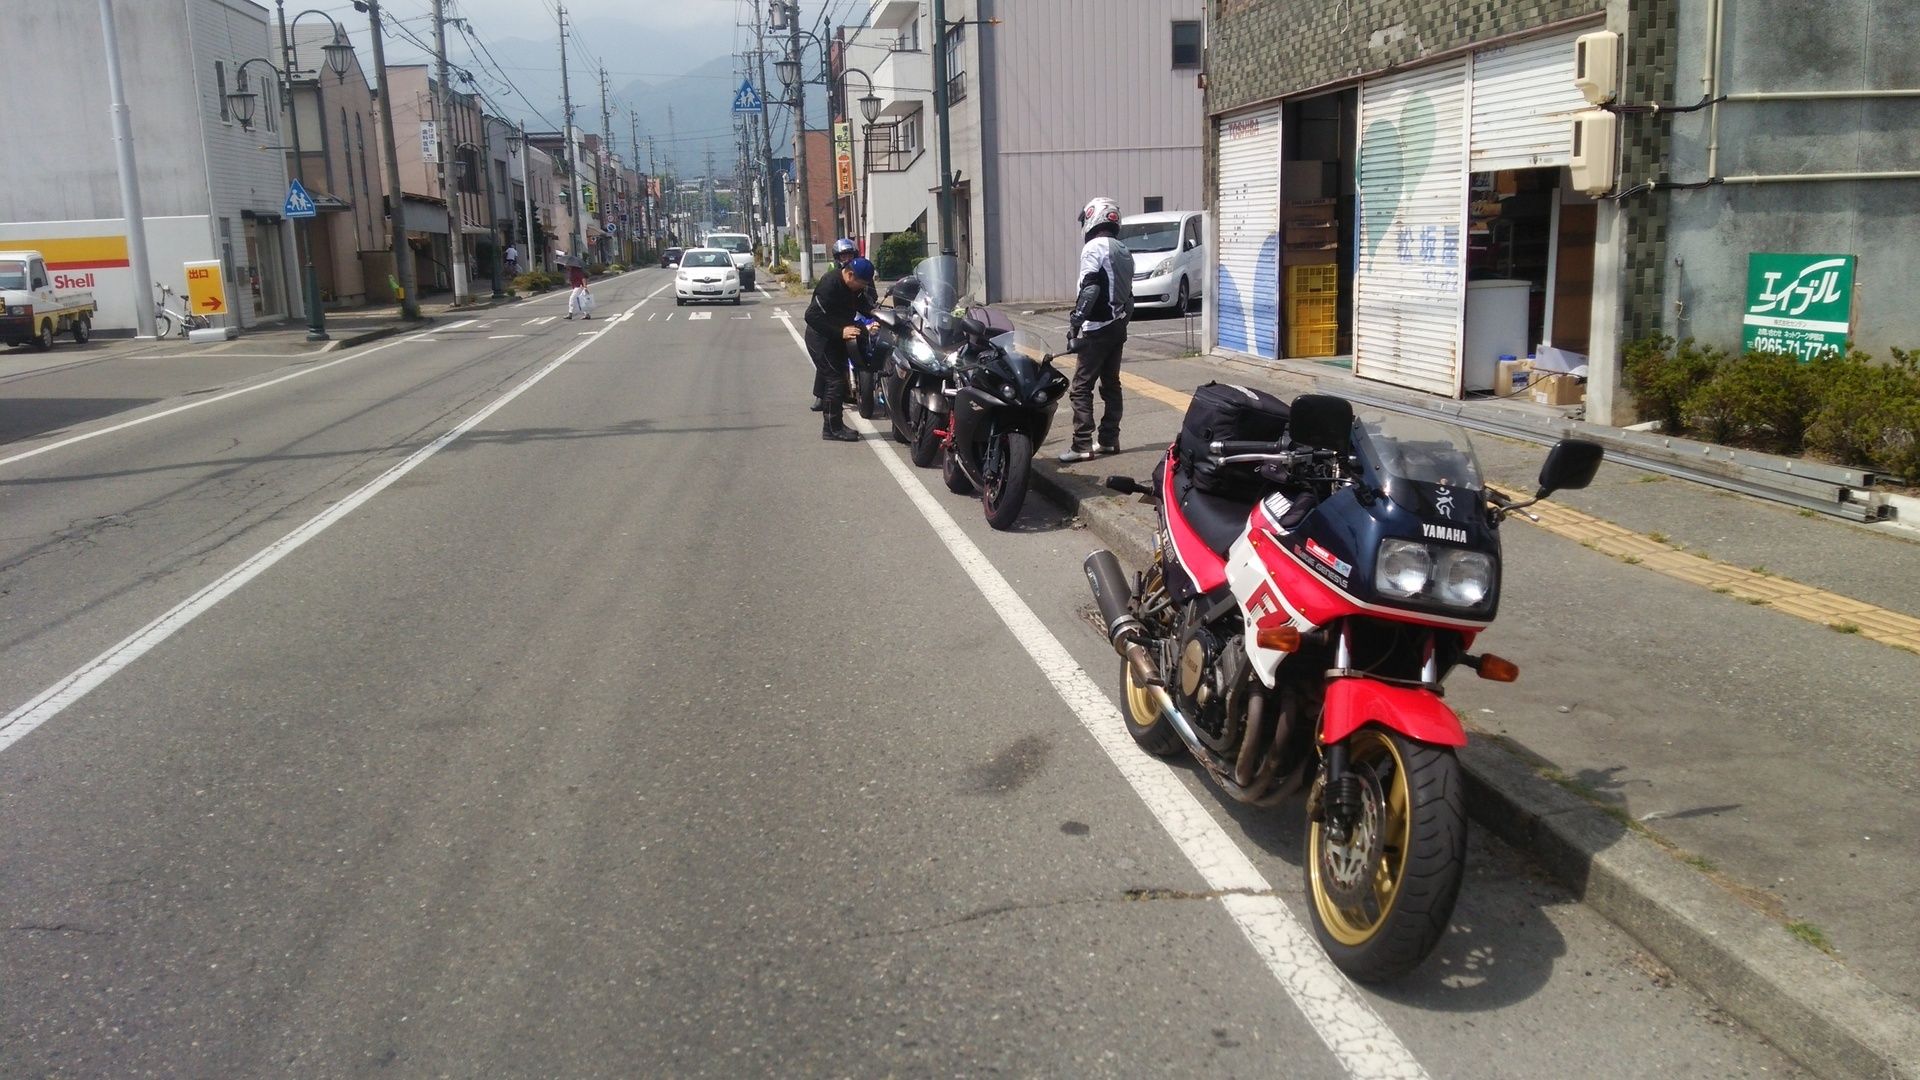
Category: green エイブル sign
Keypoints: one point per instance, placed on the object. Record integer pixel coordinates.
(1800, 304)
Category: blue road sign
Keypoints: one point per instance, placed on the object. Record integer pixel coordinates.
(299, 203)
(747, 99)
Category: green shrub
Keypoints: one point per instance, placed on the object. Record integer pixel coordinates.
(1760, 399)
(1664, 375)
(1869, 414)
(897, 254)
(537, 281)
(596, 269)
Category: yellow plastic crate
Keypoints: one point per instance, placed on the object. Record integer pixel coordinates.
(1321, 340)
(1313, 309)
(1311, 280)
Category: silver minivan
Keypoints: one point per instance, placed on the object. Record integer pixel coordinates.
(1169, 263)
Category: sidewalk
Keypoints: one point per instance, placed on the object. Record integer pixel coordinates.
(1705, 767)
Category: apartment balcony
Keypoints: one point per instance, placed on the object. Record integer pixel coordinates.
(902, 78)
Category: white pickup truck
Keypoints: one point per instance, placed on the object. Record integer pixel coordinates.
(31, 312)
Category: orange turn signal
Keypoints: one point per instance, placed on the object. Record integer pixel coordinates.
(1278, 638)
(1498, 670)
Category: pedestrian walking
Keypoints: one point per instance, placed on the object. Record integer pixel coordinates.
(832, 328)
(1098, 328)
(844, 252)
(580, 301)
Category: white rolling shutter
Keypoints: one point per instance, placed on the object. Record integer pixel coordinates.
(1523, 104)
(1246, 291)
(1410, 281)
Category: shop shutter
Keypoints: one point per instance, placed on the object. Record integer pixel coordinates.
(1409, 280)
(1523, 104)
(1246, 294)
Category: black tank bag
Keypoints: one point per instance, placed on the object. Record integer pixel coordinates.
(1226, 411)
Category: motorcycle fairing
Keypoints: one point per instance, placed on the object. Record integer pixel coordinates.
(1413, 711)
(1208, 570)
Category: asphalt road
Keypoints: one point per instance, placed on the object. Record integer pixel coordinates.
(631, 730)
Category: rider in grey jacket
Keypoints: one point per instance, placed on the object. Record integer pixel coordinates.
(1098, 328)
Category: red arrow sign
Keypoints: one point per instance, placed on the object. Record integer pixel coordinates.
(212, 303)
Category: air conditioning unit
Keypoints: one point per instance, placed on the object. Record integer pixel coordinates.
(1595, 162)
(1596, 66)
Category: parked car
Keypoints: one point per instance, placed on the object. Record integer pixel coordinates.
(740, 246)
(671, 257)
(1169, 264)
(706, 274)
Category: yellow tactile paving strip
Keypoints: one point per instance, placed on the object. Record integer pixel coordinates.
(1789, 597)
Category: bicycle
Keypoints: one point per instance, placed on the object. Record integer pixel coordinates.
(165, 318)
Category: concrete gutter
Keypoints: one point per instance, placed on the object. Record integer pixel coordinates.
(1812, 1007)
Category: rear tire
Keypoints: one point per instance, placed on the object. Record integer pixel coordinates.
(82, 330)
(1382, 903)
(1002, 498)
(953, 474)
(1149, 727)
(926, 439)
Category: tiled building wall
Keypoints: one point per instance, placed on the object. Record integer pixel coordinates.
(1645, 144)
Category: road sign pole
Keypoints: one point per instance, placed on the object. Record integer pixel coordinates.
(316, 315)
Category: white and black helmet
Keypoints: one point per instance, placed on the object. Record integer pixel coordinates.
(1101, 211)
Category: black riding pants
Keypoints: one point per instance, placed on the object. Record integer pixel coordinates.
(830, 373)
(1097, 361)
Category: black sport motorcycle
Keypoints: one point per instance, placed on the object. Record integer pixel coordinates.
(1003, 397)
(926, 312)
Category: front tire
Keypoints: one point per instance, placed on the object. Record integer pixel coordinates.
(1383, 901)
(1184, 303)
(1005, 493)
(44, 339)
(863, 394)
(926, 439)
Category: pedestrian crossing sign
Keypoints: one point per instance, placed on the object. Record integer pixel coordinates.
(747, 99)
(299, 203)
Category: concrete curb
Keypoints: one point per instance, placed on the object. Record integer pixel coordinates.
(1812, 1007)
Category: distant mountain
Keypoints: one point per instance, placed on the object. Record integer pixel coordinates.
(702, 103)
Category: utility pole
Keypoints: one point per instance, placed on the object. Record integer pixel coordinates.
(638, 202)
(526, 188)
(129, 179)
(800, 135)
(443, 105)
(396, 202)
(493, 212)
(940, 107)
(579, 241)
(609, 216)
(303, 230)
(766, 143)
(659, 237)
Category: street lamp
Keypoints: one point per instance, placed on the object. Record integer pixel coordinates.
(338, 56)
(870, 109)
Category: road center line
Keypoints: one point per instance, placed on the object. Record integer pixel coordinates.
(1345, 1022)
(50, 702)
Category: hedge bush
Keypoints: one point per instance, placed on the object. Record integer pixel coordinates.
(537, 281)
(898, 253)
(1847, 407)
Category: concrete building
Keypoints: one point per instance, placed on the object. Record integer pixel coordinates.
(458, 139)
(1054, 104)
(209, 188)
(1391, 184)
(341, 169)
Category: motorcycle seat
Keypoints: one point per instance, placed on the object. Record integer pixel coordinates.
(1217, 521)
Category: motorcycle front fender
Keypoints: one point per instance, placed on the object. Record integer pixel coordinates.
(971, 410)
(1415, 712)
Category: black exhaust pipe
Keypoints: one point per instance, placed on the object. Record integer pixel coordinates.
(1124, 632)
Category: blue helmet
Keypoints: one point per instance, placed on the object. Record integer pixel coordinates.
(844, 246)
(862, 269)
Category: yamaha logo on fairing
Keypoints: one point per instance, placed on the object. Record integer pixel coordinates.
(1443, 532)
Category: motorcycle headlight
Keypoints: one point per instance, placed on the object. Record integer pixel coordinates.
(1008, 392)
(1463, 578)
(1404, 568)
(919, 350)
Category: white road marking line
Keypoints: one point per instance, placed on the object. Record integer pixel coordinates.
(454, 326)
(50, 702)
(1345, 1022)
(694, 316)
(651, 314)
(747, 315)
(503, 337)
(540, 322)
(137, 421)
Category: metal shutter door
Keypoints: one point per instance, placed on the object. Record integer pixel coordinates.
(1409, 284)
(1246, 293)
(1523, 104)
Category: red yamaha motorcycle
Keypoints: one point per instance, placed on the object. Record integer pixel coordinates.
(1316, 578)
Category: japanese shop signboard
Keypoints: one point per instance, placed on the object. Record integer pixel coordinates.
(1800, 304)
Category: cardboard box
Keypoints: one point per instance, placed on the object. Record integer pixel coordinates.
(1309, 210)
(1313, 232)
(1558, 390)
(1510, 377)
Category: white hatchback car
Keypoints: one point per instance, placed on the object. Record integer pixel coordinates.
(1169, 262)
(740, 246)
(705, 274)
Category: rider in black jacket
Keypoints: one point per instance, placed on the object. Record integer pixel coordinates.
(831, 330)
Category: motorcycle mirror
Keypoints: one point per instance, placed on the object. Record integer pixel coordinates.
(1570, 465)
(904, 290)
(1321, 420)
(973, 328)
